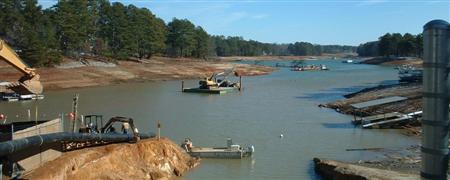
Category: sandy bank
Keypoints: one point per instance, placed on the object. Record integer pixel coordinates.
(72, 74)
(416, 62)
(147, 159)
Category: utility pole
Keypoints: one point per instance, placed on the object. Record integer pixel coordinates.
(159, 130)
(435, 121)
(75, 111)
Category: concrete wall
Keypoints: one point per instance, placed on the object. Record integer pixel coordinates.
(33, 158)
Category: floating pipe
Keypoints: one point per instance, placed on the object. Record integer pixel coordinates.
(12, 146)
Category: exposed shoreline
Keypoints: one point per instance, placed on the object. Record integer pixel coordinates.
(406, 160)
(412, 61)
(74, 74)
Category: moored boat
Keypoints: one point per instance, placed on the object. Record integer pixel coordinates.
(409, 74)
(232, 151)
(348, 61)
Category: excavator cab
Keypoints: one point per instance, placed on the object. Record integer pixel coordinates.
(127, 127)
(91, 124)
(94, 124)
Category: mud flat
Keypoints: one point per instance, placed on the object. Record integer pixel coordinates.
(147, 159)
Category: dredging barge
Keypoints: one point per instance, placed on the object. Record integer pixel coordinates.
(232, 151)
(214, 85)
(311, 68)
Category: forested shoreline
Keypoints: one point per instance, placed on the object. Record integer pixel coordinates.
(73, 28)
(393, 45)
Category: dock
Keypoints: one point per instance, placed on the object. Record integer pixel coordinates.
(388, 122)
(375, 118)
(399, 119)
(220, 90)
(358, 108)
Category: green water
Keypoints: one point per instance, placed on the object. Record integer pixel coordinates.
(282, 102)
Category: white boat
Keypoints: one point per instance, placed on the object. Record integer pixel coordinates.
(232, 151)
(349, 61)
(31, 97)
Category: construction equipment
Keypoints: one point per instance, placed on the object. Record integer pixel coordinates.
(213, 81)
(29, 83)
(127, 126)
(91, 124)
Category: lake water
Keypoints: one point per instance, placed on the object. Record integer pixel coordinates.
(282, 102)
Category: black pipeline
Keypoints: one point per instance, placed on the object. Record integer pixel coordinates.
(10, 147)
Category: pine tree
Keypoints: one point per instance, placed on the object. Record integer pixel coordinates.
(201, 44)
(181, 37)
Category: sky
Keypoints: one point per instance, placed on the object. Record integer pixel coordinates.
(343, 22)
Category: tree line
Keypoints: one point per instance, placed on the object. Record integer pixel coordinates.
(74, 28)
(394, 44)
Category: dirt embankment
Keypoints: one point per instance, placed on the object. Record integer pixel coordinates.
(73, 74)
(147, 159)
(415, 62)
(330, 169)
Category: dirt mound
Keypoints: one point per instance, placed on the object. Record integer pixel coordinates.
(147, 159)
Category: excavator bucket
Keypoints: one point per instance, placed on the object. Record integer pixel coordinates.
(27, 85)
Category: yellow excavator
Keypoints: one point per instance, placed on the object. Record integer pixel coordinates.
(29, 83)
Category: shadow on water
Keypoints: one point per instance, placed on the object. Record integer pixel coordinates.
(339, 125)
(311, 172)
(338, 93)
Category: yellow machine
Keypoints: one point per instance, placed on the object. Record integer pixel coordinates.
(29, 83)
(213, 82)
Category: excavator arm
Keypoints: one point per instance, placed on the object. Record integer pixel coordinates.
(29, 83)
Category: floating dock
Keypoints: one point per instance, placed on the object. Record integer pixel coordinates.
(375, 118)
(220, 90)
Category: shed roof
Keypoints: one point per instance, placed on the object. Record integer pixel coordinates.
(378, 102)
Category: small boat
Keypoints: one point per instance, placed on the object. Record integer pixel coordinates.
(409, 74)
(232, 151)
(10, 98)
(348, 61)
(31, 97)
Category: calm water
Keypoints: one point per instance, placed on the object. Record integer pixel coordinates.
(282, 102)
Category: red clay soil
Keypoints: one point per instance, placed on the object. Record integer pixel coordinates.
(147, 159)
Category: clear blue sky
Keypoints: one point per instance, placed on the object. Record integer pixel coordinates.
(348, 22)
